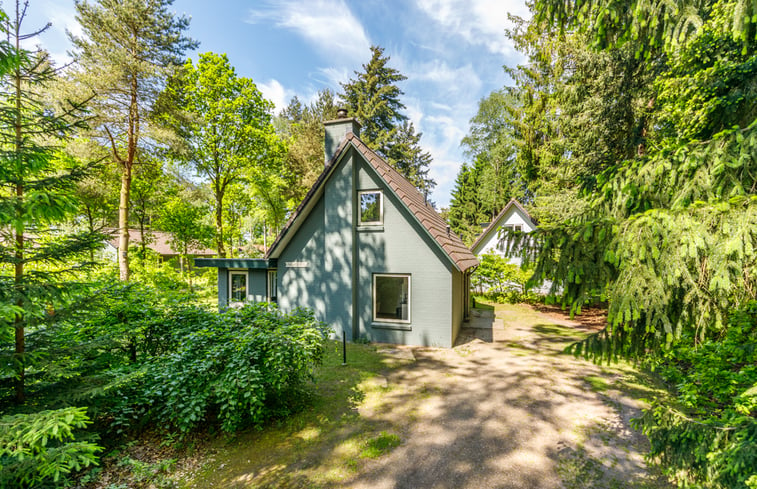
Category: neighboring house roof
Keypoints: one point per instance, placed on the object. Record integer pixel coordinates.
(158, 241)
(496, 223)
(449, 243)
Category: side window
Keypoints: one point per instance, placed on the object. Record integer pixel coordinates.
(391, 298)
(371, 208)
(237, 287)
(273, 288)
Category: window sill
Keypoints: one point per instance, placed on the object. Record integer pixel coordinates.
(396, 326)
(377, 228)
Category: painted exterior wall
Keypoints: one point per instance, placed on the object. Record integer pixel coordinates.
(223, 287)
(457, 300)
(256, 286)
(400, 246)
(512, 217)
(315, 267)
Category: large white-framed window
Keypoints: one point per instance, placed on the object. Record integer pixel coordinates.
(273, 288)
(371, 204)
(237, 287)
(391, 298)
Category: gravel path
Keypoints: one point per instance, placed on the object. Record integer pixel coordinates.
(504, 409)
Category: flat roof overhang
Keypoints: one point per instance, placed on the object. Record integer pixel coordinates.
(253, 263)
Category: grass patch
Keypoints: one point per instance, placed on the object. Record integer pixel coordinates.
(319, 446)
(378, 446)
(598, 384)
(559, 331)
(480, 302)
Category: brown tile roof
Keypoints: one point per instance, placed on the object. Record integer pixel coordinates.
(158, 241)
(429, 219)
(495, 222)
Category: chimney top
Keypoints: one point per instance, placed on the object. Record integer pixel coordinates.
(337, 130)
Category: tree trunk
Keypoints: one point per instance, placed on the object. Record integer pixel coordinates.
(219, 225)
(18, 322)
(123, 223)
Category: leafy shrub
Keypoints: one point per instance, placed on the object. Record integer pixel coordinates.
(708, 436)
(500, 280)
(37, 449)
(241, 366)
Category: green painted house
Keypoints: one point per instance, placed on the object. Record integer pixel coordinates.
(365, 251)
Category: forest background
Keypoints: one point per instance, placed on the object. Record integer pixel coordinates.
(629, 133)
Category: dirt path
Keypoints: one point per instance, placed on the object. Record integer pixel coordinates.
(505, 409)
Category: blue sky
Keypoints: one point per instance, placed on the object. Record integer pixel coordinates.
(452, 52)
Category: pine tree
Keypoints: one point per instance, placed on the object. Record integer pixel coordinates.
(465, 212)
(373, 97)
(669, 238)
(127, 51)
(37, 259)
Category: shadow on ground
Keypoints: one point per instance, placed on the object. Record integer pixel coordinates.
(503, 409)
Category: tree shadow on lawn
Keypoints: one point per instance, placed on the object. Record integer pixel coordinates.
(505, 414)
(315, 447)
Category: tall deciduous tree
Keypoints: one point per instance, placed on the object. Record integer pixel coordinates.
(228, 128)
(126, 52)
(35, 196)
(373, 97)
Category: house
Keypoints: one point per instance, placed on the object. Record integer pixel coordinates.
(157, 241)
(365, 251)
(514, 217)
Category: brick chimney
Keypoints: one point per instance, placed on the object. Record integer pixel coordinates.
(337, 129)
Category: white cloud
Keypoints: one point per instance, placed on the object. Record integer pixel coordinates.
(276, 93)
(328, 24)
(446, 78)
(333, 76)
(479, 22)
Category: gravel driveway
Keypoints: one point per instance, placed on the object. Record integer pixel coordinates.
(505, 409)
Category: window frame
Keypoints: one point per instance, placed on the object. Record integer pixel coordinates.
(275, 274)
(409, 278)
(360, 222)
(245, 274)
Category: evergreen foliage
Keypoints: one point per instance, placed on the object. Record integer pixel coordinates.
(705, 435)
(373, 97)
(37, 259)
(38, 449)
(668, 238)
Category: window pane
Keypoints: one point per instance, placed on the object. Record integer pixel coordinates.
(238, 287)
(370, 207)
(391, 298)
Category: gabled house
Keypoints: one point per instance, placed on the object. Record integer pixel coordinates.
(365, 251)
(157, 241)
(513, 216)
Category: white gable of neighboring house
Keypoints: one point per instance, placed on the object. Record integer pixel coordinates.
(513, 216)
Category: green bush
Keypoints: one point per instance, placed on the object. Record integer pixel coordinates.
(501, 281)
(707, 436)
(239, 367)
